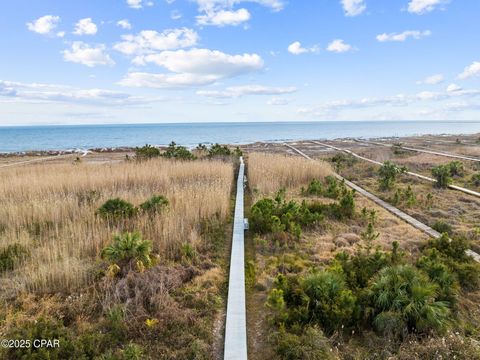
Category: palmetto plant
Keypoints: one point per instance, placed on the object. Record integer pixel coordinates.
(405, 299)
(128, 248)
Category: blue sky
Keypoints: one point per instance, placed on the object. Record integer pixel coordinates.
(162, 61)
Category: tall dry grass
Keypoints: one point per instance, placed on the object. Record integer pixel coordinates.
(267, 173)
(50, 209)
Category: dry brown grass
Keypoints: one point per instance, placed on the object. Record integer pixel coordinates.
(267, 173)
(50, 209)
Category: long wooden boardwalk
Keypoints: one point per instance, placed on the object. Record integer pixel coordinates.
(426, 151)
(236, 323)
(423, 177)
(397, 212)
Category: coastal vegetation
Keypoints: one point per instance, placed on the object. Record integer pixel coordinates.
(124, 260)
(364, 297)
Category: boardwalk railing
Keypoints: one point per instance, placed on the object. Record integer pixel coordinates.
(236, 323)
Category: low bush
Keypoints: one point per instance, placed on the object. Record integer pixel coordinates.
(388, 174)
(456, 168)
(277, 215)
(452, 253)
(442, 175)
(475, 179)
(320, 298)
(442, 227)
(155, 204)
(11, 256)
(219, 150)
(146, 152)
(404, 299)
(330, 303)
(115, 209)
(129, 250)
(334, 187)
(314, 188)
(341, 160)
(175, 151)
(310, 344)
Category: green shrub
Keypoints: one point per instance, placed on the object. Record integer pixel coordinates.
(341, 160)
(219, 150)
(117, 208)
(155, 204)
(434, 266)
(442, 174)
(475, 179)
(11, 255)
(174, 151)
(453, 248)
(456, 168)
(334, 188)
(347, 204)
(277, 215)
(330, 303)
(360, 267)
(146, 152)
(452, 252)
(128, 249)
(314, 188)
(309, 345)
(388, 174)
(442, 227)
(404, 299)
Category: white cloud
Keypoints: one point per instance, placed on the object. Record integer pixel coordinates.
(470, 71)
(224, 17)
(239, 91)
(432, 80)
(138, 4)
(278, 101)
(353, 7)
(453, 88)
(222, 12)
(124, 24)
(414, 34)
(175, 15)
(85, 27)
(423, 6)
(214, 5)
(339, 46)
(296, 48)
(398, 101)
(66, 94)
(194, 67)
(44, 25)
(85, 54)
(149, 41)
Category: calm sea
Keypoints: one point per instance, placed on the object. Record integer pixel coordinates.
(16, 138)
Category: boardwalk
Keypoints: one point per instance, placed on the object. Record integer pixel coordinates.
(426, 151)
(423, 177)
(397, 212)
(236, 323)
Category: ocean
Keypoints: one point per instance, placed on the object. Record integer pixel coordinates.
(25, 138)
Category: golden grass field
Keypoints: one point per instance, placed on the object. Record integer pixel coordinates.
(267, 173)
(50, 209)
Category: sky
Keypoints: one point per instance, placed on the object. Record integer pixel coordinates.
(170, 61)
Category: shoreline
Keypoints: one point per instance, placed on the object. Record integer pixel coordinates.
(127, 149)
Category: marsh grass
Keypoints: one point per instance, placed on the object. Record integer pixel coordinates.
(267, 173)
(50, 209)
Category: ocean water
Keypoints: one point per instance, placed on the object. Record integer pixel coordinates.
(17, 139)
